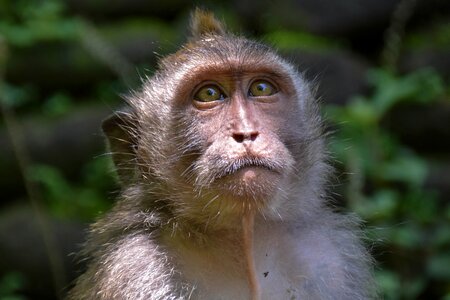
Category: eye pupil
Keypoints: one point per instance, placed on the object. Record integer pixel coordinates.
(261, 88)
(209, 93)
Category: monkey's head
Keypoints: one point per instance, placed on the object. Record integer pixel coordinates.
(223, 128)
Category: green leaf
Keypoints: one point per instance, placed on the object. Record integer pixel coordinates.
(285, 39)
(438, 266)
(422, 86)
(389, 284)
(10, 283)
(408, 168)
(14, 96)
(57, 105)
(407, 236)
(382, 205)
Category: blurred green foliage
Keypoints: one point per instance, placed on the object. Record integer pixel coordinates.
(83, 200)
(439, 37)
(10, 284)
(23, 23)
(287, 40)
(14, 96)
(385, 187)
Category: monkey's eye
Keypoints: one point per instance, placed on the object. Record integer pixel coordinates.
(209, 93)
(261, 88)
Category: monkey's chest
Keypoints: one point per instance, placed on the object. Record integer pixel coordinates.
(222, 274)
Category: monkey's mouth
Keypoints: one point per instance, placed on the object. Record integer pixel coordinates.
(249, 162)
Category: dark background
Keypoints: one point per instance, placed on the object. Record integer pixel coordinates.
(382, 68)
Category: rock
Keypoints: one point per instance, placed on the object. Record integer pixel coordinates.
(439, 178)
(437, 59)
(67, 66)
(428, 11)
(23, 250)
(66, 144)
(422, 127)
(340, 75)
(324, 17)
(78, 66)
(103, 9)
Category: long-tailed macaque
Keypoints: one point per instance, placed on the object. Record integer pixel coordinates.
(223, 173)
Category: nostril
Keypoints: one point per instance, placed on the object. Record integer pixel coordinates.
(238, 137)
(253, 136)
(241, 137)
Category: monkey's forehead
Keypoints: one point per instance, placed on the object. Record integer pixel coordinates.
(221, 51)
(229, 56)
(215, 56)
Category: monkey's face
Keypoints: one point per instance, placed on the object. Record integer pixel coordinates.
(224, 125)
(234, 125)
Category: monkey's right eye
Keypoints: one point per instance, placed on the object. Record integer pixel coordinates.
(209, 93)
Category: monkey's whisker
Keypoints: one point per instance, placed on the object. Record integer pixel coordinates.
(209, 202)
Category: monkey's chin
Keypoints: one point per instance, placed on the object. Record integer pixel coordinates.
(253, 184)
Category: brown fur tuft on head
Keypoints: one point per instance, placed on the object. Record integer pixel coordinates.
(203, 23)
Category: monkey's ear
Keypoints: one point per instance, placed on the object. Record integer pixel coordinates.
(120, 130)
(203, 23)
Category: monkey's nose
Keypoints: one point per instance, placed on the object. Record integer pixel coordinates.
(241, 137)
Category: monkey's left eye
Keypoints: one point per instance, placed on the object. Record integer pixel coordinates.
(261, 88)
(209, 93)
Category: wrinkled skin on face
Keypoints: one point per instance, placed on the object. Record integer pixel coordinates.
(237, 127)
(242, 151)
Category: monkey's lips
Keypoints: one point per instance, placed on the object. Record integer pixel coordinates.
(249, 166)
(249, 178)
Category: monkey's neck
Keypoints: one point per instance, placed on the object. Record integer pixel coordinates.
(248, 221)
(240, 234)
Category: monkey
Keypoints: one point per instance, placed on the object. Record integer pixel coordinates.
(222, 162)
